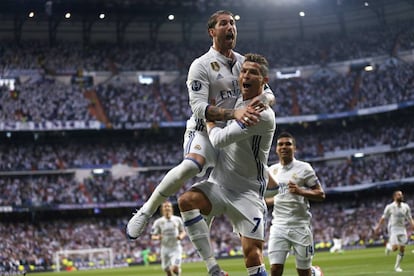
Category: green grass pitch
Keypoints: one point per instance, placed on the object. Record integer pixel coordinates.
(362, 262)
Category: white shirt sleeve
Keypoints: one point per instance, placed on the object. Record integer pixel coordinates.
(236, 131)
(198, 86)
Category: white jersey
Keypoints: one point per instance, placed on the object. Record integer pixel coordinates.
(397, 217)
(290, 209)
(213, 79)
(243, 155)
(169, 230)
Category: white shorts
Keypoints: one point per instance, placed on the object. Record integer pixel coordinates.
(299, 240)
(246, 212)
(199, 143)
(398, 238)
(171, 257)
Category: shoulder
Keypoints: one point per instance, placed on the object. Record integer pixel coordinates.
(239, 57)
(302, 164)
(273, 168)
(203, 59)
(389, 205)
(268, 114)
(177, 218)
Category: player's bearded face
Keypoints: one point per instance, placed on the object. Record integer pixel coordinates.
(226, 32)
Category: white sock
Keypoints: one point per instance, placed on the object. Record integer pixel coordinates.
(198, 232)
(257, 270)
(399, 259)
(170, 184)
(388, 246)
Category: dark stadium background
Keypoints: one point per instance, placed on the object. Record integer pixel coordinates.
(76, 104)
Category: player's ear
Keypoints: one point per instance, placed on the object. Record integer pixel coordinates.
(211, 32)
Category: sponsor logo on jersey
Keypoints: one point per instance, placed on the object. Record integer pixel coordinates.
(196, 85)
(215, 66)
(219, 76)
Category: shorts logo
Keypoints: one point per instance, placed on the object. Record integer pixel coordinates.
(196, 85)
(197, 147)
(215, 66)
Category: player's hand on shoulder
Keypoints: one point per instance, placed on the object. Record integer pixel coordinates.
(247, 115)
(259, 103)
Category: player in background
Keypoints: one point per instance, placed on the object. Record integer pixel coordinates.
(213, 91)
(291, 217)
(169, 229)
(397, 213)
(237, 183)
(337, 242)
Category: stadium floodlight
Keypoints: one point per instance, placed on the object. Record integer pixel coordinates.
(287, 74)
(369, 68)
(98, 171)
(358, 154)
(143, 79)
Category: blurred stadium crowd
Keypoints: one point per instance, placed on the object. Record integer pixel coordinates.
(388, 138)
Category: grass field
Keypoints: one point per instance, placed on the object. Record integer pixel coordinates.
(353, 262)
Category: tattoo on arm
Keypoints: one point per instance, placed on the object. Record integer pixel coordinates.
(215, 113)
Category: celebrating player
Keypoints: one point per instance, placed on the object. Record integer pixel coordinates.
(237, 183)
(397, 213)
(169, 229)
(213, 91)
(291, 224)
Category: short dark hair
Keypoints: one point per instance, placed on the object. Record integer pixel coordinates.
(212, 21)
(286, 134)
(257, 58)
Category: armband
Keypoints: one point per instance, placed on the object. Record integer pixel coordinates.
(271, 192)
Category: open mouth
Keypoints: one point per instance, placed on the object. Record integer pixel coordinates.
(230, 36)
(246, 85)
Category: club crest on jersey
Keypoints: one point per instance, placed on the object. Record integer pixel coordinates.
(215, 66)
(197, 147)
(196, 85)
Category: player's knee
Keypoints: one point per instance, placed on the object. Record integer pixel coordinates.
(175, 269)
(184, 202)
(188, 201)
(194, 199)
(303, 264)
(253, 256)
(276, 269)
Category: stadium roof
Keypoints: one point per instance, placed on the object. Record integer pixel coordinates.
(152, 15)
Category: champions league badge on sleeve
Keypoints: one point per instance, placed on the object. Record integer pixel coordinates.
(196, 85)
